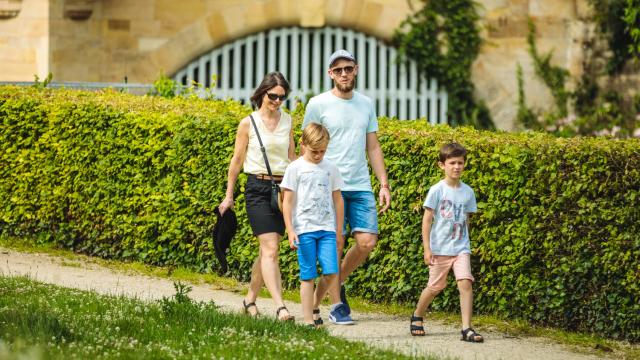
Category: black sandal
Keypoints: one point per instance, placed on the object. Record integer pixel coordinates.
(286, 318)
(417, 330)
(471, 335)
(247, 306)
(318, 321)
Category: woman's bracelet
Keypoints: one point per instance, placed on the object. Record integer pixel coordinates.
(385, 186)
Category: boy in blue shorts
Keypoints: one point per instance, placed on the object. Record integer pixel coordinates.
(445, 236)
(313, 212)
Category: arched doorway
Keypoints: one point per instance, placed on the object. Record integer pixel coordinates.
(301, 54)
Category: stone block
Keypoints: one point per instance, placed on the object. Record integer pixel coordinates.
(333, 11)
(312, 13)
(584, 11)
(519, 8)
(217, 28)
(183, 11)
(555, 9)
(148, 44)
(369, 17)
(350, 15)
(507, 27)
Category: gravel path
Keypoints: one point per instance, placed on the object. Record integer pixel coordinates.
(374, 329)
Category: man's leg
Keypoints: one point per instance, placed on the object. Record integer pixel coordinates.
(365, 243)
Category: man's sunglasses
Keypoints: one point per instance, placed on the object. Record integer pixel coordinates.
(347, 70)
(274, 97)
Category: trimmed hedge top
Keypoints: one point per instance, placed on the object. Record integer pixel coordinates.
(555, 240)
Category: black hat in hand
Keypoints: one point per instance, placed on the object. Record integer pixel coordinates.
(223, 231)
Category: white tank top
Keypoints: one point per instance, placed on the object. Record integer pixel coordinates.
(276, 144)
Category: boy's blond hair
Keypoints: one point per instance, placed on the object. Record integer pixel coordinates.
(315, 136)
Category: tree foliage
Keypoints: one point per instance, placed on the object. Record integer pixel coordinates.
(443, 39)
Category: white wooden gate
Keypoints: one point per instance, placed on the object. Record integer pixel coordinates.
(301, 54)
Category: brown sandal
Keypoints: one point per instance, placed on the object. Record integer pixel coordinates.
(286, 318)
(249, 305)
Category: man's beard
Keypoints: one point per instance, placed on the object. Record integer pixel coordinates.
(347, 87)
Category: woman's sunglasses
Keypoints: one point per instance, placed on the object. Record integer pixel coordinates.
(347, 70)
(274, 97)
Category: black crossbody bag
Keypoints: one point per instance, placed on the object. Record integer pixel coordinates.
(276, 195)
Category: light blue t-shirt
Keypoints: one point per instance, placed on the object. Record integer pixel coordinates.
(348, 122)
(451, 206)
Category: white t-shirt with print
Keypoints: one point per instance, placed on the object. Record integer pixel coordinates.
(451, 206)
(312, 185)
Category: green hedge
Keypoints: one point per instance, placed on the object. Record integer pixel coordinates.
(555, 241)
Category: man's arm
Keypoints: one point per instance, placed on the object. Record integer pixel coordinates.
(374, 151)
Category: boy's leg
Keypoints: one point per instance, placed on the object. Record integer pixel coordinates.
(323, 288)
(466, 302)
(462, 271)
(306, 298)
(438, 272)
(329, 257)
(307, 259)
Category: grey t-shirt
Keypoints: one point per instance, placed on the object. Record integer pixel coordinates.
(312, 185)
(451, 206)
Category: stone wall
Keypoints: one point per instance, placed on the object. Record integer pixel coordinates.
(24, 39)
(110, 40)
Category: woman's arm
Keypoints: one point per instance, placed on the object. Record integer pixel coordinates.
(239, 153)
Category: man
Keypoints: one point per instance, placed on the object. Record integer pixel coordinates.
(351, 120)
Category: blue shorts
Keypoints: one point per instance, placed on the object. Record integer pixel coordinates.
(317, 246)
(360, 212)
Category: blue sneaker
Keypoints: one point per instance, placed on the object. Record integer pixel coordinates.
(343, 299)
(339, 316)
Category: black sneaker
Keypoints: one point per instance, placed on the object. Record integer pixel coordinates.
(343, 299)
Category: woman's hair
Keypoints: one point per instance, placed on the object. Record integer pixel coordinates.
(315, 136)
(452, 150)
(270, 81)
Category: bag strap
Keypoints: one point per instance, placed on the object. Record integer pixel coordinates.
(264, 152)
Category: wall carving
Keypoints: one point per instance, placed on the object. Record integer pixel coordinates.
(78, 9)
(9, 8)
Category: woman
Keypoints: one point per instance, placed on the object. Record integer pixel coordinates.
(276, 133)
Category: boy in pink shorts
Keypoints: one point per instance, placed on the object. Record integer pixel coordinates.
(445, 236)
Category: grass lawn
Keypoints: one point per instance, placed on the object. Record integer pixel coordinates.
(44, 321)
(519, 328)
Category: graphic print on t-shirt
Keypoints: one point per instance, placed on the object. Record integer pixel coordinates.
(455, 216)
(316, 183)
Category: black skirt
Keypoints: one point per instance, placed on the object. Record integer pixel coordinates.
(257, 195)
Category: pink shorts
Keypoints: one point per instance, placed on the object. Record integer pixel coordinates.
(441, 265)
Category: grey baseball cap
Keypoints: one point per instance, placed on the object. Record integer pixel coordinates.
(341, 54)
